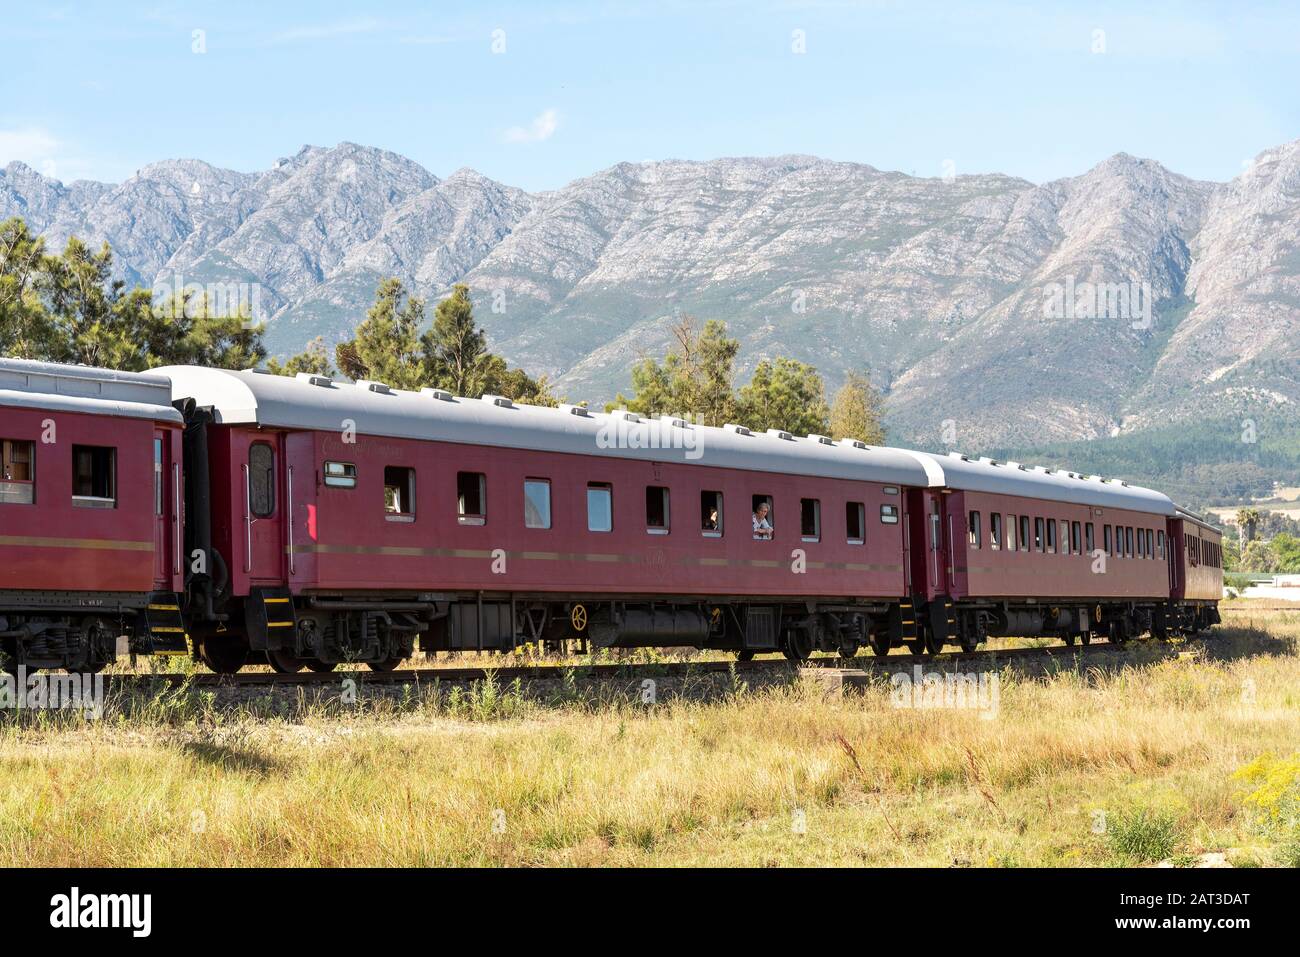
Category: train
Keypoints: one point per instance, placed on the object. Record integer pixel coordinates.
(305, 522)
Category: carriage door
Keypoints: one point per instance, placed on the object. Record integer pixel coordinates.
(163, 488)
(927, 525)
(263, 545)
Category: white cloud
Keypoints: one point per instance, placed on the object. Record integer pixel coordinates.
(542, 128)
(31, 145)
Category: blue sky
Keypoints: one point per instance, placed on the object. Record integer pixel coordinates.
(1032, 89)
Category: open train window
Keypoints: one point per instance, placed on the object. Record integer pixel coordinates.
(855, 522)
(471, 498)
(1076, 538)
(1160, 544)
(1106, 537)
(973, 529)
(656, 510)
(94, 476)
(1128, 541)
(889, 515)
(17, 477)
(1039, 537)
(764, 517)
(810, 519)
(537, 503)
(995, 531)
(711, 514)
(340, 475)
(1065, 538)
(600, 507)
(1011, 532)
(1090, 538)
(1024, 533)
(399, 493)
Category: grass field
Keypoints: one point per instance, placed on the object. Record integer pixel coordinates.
(1148, 762)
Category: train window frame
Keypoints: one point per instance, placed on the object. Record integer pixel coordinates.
(1160, 544)
(465, 483)
(1026, 541)
(338, 474)
(261, 480)
(1013, 526)
(1076, 538)
(1128, 540)
(664, 507)
(157, 477)
(401, 479)
(711, 501)
(755, 500)
(810, 508)
(995, 531)
(1106, 537)
(605, 490)
(1040, 535)
(103, 460)
(855, 511)
(16, 491)
(541, 508)
(974, 533)
(888, 514)
(1089, 537)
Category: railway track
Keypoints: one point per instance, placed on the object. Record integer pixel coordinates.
(1255, 608)
(625, 671)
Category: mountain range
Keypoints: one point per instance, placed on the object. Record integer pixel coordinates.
(992, 311)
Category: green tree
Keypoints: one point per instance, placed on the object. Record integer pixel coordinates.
(457, 348)
(856, 411)
(1247, 523)
(784, 394)
(695, 378)
(387, 346)
(314, 359)
(26, 331)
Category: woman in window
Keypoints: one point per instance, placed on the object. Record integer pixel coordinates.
(762, 527)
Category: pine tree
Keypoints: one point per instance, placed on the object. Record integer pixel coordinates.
(856, 411)
(784, 394)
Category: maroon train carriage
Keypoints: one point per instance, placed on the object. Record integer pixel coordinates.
(344, 522)
(90, 473)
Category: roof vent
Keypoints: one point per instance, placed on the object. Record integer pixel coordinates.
(575, 410)
(369, 386)
(780, 434)
(823, 439)
(312, 378)
(499, 400)
(959, 455)
(625, 415)
(675, 421)
(441, 394)
(738, 429)
(854, 444)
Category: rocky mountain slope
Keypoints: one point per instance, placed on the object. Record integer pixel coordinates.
(993, 310)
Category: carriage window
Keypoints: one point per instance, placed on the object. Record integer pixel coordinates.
(94, 476)
(995, 530)
(1106, 537)
(399, 493)
(600, 507)
(1076, 541)
(1065, 538)
(537, 503)
(855, 522)
(764, 518)
(1011, 533)
(471, 498)
(656, 510)
(1128, 541)
(1038, 534)
(810, 519)
(261, 480)
(711, 514)
(1090, 537)
(1024, 533)
(1051, 536)
(16, 484)
(973, 529)
(340, 475)
(889, 515)
(1160, 544)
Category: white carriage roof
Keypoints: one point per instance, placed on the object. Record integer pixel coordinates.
(66, 388)
(316, 402)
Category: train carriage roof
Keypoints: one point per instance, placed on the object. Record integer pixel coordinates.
(318, 403)
(66, 388)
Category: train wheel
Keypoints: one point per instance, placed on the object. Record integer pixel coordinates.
(798, 644)
(1118, 632)
(933, 643)
(224, 653)
(745, 654)
(916, 646)
(1086, 637)
(285, 662)
(879, 641)
(315, 664)
(848, 650)
(1069, 639)
(387, 665)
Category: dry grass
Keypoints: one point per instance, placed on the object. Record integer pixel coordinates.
(1092, 768)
